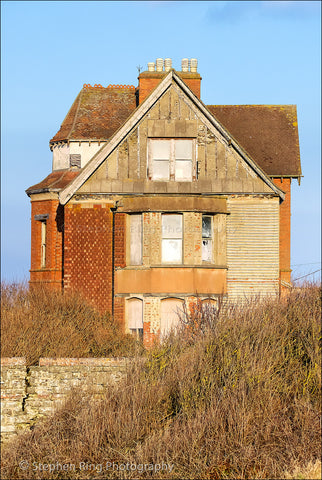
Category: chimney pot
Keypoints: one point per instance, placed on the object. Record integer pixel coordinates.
(167, 64)
(185, 65)
(193, 65)
(159, 63)
(151, 66)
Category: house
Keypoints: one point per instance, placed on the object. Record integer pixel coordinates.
(155, 199)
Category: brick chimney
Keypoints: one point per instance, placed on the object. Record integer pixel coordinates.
(149, 79)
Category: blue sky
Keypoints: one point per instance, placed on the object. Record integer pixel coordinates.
(249, 52)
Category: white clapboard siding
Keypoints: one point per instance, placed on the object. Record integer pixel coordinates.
(252, 246)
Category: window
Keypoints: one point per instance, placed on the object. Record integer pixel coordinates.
(161, 154)
(42, 219)
(171, 159)
(136, 239)
(171, 238)
(75, 160)
(135, 317)
(183, 160)
(171, 308)
(43, 243)
(206, 238)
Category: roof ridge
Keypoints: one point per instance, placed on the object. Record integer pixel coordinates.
(110, 86)
(76, 113)
(253, 105)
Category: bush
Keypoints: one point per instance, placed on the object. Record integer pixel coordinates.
(38, 322)
(242, 400)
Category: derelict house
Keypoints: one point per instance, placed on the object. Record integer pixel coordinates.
(156, 199)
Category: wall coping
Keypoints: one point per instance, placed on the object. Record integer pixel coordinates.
(46, 362)
(13, 361)
(81, 361)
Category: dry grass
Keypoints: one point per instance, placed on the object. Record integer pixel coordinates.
(241, 400)
(41, 323)
(312, 471)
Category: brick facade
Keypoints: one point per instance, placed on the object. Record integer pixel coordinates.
(285, 229)
(148, 81)
(52, 272)
(88, 247)
(120, 240)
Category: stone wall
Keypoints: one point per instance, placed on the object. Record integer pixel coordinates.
(29, 393)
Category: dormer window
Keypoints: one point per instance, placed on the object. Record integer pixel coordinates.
(171, 159)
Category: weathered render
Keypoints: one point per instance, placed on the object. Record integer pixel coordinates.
(159, 202)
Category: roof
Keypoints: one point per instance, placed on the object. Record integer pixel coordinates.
(56, 181)
(171, 79)
(268, 133)
(97, 113)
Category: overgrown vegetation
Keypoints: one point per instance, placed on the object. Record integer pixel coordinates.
(241, 399)
(41, 323)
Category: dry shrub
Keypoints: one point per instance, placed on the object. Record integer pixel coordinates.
(38, 322)
(312, 471)
(243, 400)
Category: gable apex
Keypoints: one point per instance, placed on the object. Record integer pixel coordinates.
(172, 78)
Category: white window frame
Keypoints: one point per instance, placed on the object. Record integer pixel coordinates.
(171, 160)
(168, 236)
(208, 239)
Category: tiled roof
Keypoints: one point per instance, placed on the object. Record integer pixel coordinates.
(54, 182)
(268, 133)
(97, 113)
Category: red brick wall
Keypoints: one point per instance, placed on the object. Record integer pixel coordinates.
(88, 253)
(119, 311)
(148, 81)
(193, 84)
(149, 337)
(120, 240)
(146, 85)
(285, 229)
(51, 274)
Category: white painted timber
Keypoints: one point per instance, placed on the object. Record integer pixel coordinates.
(86, 150)
(252, 246)
(61, 154)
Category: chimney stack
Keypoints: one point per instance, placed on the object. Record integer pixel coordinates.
(157, 70)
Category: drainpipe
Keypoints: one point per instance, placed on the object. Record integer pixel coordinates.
(113, 209)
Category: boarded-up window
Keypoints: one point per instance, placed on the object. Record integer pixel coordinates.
(171, 238)
(171, 309)
(171, 159)
(43, 243)
(135, 316)
(206, 238)
(136, 239)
